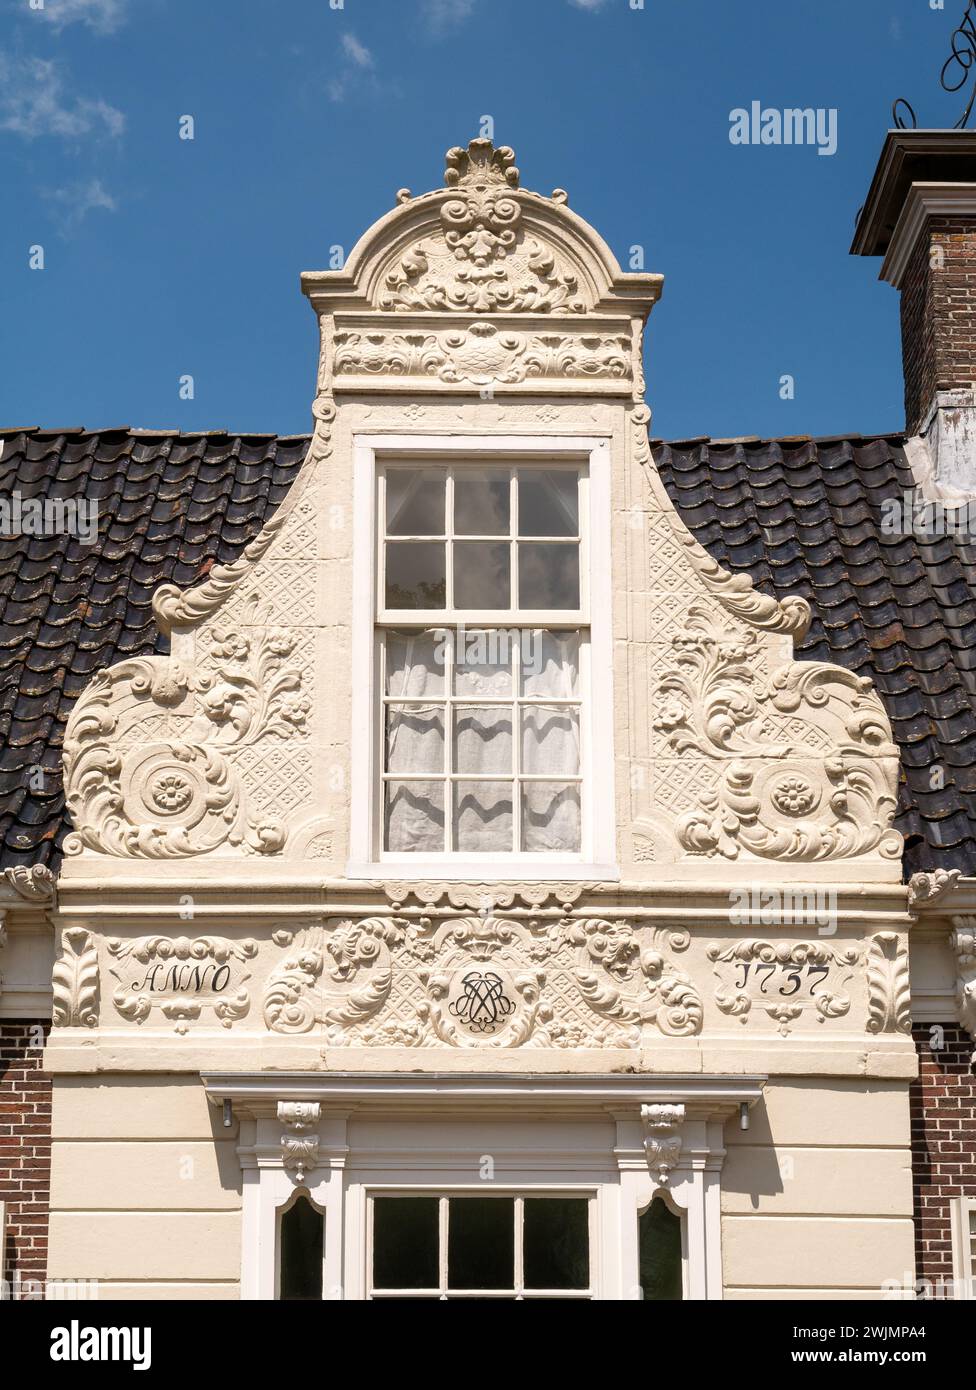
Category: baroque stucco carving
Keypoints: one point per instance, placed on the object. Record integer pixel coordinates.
(181, 977)
(774, 798)
(481, 982)
(784, 979)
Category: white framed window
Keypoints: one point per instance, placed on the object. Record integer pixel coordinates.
(963, 1221)
(508, 1245)
(482, 634)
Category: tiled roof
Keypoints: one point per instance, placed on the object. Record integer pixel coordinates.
(800, 515)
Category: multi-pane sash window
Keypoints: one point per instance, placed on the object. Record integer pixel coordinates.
(483, 652)
(505, 1247)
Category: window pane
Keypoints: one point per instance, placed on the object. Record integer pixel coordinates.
(301, 1234)
(482, 578)
(483, 740)
(550, 740)
(556, 1249)
(548, 502)
(481, 1243)
(416, 574)
(660, 1252)
(415, 501)
(415, 663)
(415, 817)
(481, 502)
(548, 575)
(414, 738)
(550, 663)
(550, 817)
(483, 663)
(482, 817)
(405, 1235)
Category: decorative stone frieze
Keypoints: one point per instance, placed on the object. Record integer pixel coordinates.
(481, 982)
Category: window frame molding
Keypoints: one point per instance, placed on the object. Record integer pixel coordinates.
(626, 1177)
(598, 859)
(961, 1210)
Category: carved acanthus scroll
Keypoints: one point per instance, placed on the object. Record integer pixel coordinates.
(776, 799)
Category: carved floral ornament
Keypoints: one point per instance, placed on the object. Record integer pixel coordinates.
(776, 798)
(151, 745)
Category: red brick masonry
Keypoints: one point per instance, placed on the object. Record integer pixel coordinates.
(943, 1110)
(25, 1152)
(938, 315)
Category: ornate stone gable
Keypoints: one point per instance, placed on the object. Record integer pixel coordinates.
(482, 309)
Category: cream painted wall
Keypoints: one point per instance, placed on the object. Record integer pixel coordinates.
(817, 1194)
(145, 1189)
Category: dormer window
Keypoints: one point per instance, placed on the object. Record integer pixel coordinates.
(486, 741)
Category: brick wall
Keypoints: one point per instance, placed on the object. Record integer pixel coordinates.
(943, 1111)
(938, 315)
(25, 1149)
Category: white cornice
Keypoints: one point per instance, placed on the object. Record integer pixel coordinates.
(258, 1093)
(924, 200)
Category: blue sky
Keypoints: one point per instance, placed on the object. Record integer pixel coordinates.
(165, 257)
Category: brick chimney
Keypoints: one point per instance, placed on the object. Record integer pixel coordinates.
(920, 215)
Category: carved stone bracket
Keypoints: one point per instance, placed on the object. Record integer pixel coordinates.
(75, 981)
(299, 1148)
(927, 889)
(33, 882)
(662, 1139)
(963, 941)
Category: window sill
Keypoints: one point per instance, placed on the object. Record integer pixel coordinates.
(472, 871)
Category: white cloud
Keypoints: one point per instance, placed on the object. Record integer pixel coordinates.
(588, 4)
(356, 68)
(356, 52)
(33, 102)
(444, 14)
(77, 200)
(101, 15)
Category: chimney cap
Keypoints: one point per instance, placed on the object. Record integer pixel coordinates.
(910, 157)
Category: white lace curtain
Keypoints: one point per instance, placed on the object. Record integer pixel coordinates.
(478, 666)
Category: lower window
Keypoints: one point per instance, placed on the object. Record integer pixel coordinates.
(447, 1246)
